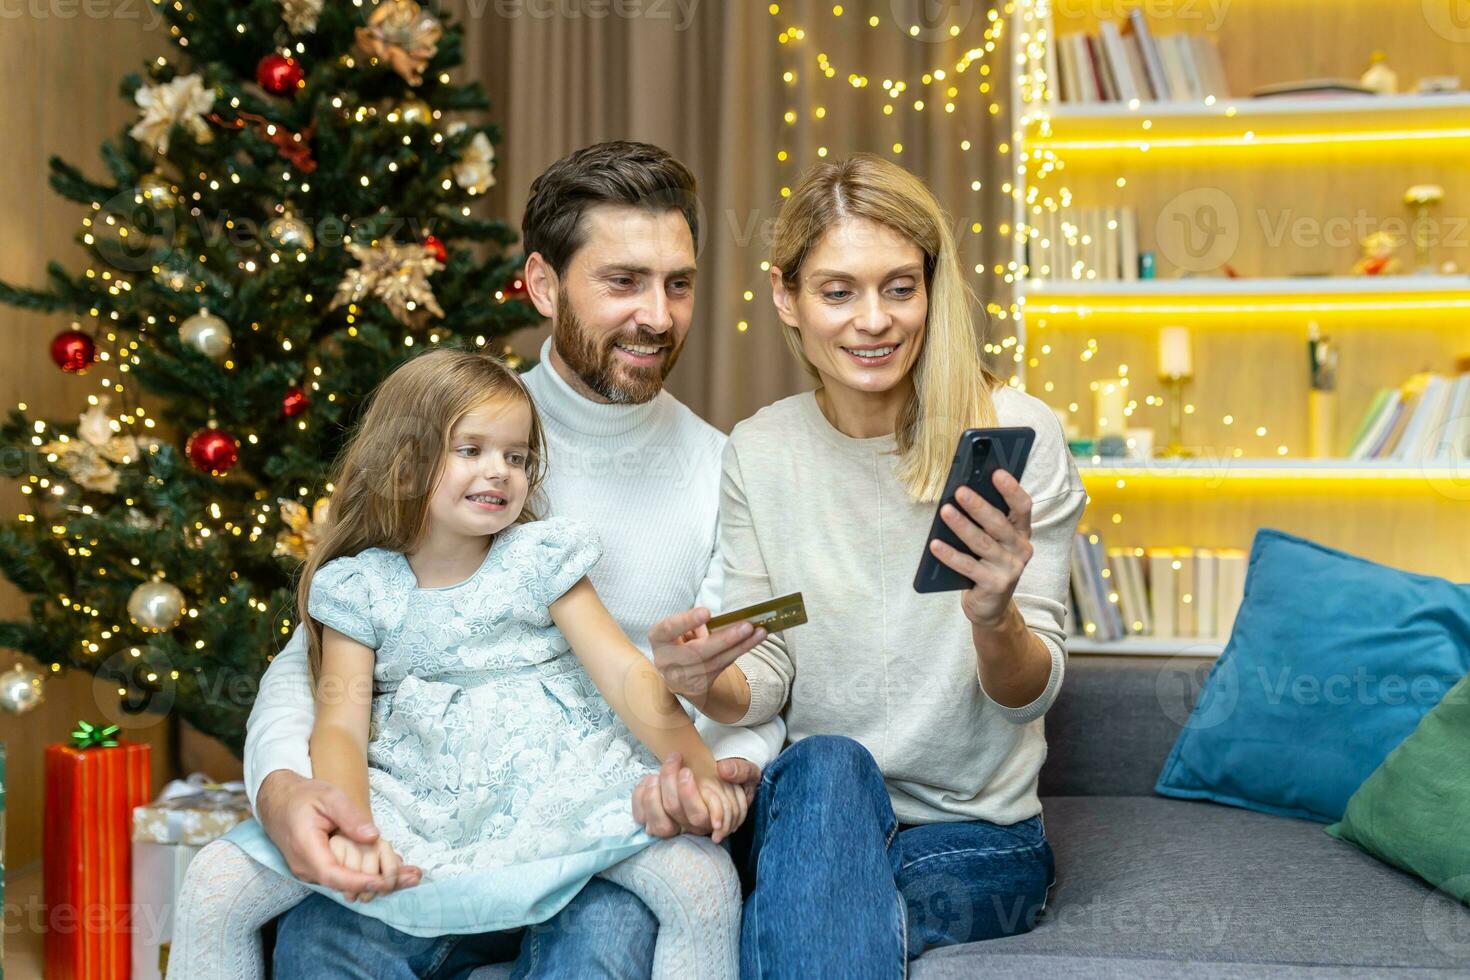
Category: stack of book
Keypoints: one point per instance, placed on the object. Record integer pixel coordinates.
(1084, 243)
(1121, 64)
(1427, 419)
(1187, 593)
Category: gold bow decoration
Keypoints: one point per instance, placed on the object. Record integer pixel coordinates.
(88, 459)
(402, 34)
(303, 528)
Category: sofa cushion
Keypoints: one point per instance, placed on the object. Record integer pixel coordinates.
(1332, 661)
(1115, 720)
(1181, 884)
(1412, 811)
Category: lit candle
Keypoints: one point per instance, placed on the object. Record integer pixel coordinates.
(1174, 356)
(1108, 419)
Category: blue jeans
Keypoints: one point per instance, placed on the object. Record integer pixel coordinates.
(837, 887)
(604, 932)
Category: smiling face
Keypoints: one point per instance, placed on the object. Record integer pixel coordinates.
(484, 484)
(624, 305)
(860, 304)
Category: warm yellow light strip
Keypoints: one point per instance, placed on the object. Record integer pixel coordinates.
(1248, 139)
(1445, 480)
(1090, 308)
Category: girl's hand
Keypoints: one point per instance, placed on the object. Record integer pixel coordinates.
(1003, 541)
(726, 805)
(377, 858)
(689, 657)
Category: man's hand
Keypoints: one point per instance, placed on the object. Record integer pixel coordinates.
(668, 803)
(300, 816)
(689, 657)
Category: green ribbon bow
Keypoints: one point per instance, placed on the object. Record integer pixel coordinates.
(89, 736)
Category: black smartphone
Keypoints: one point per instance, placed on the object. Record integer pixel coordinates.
(980, 453)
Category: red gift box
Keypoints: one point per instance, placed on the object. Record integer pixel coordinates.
(90, 795)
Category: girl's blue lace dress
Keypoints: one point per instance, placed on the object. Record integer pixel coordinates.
(493, 762)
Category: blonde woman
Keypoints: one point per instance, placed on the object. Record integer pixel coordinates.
(903, 814)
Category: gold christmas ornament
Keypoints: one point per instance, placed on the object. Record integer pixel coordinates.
(404, 35)
(156, 606)
(20, 689)
(301, 15)
(88, 459)
(396, 274)
(411, 111)
(157, 190)
(289, 233)
(303, 528)
(207, 334)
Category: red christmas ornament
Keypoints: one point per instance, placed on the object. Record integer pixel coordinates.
(213, 451)
(294, 403)
(73, 351)
(436, 248)
(278, 74)
(515, 287)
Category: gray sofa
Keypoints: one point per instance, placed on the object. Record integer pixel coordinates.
(1151, 887)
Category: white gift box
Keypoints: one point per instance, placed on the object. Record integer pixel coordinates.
(167, 833)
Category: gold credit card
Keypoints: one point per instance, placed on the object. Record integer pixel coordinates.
(774, 615)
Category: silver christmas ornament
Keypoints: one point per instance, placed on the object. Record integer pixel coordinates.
(20, 689)
(207, 334)
(156, 606)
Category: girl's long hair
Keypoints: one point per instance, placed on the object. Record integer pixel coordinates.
(951, 384)
(386, 474)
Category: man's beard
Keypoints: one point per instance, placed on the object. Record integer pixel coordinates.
(593, 359)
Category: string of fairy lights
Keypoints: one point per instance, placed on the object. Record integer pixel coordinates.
(1013, 39)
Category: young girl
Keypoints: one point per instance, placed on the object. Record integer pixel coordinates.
(443, 618)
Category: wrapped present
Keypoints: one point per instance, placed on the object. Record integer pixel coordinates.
(92, 786)
(167, 833)
(191, 811)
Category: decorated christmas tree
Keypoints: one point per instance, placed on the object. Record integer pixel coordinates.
(293, 214)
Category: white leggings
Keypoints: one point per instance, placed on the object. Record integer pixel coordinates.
(688, 883)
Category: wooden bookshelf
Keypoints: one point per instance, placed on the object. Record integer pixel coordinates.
(1299, 180)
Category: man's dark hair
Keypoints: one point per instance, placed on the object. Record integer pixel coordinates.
(617, 172)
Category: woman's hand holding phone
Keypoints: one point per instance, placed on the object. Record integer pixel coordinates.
(1002, 543)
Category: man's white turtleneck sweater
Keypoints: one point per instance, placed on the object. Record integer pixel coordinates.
(647, 478)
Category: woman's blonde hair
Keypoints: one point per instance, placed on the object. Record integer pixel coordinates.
(388, 471)
(951, 384)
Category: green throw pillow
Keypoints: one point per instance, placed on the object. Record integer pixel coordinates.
(1411, 811)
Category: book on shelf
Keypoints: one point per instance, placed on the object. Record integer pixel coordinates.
(1161, 583)
(1110, 39)
(1127, 62)
(1165, 593)
(1099, 244)
(1206, 568)
(1051, 64)
(1139, 34)
(1184, 568)
(1424, 420)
